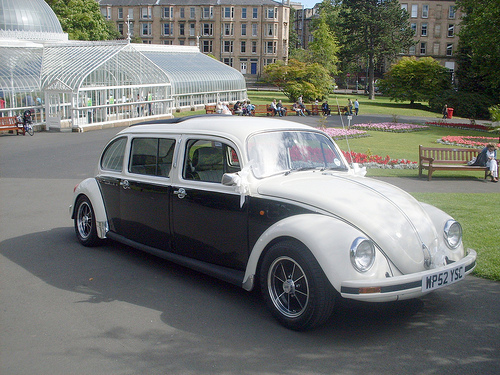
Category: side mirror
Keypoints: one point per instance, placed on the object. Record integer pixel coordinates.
(230, 179)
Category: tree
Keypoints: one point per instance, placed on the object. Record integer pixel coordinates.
(299, 78)
(479, 47)
(82, 19)
(415, 80)
(375, 30)
(324, 47)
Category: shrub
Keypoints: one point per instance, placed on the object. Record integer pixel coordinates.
(465, 104)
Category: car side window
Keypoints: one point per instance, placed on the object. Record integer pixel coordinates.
(151, 156)
(112, 157)
(207, 160)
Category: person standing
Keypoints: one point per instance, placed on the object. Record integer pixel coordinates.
(349, 106)
(356, 107)
(445, 111)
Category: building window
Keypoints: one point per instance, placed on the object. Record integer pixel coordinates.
(254, 47)
(451, 30)
(244, 13)
(167, 42)
(423, 48)
(404, 7)
(413, 26)
(168, 12)
(414, 11)
(181, 29)
(451, 12)
(243, 29)
(228, 29)
(131, 13)
(255, 13)
(229, 12)
(208, 29)
(106, 13)
(449, 49)
(228, 61)
(145, 29)
(254, 29)
(412, 50)
(191, 29)
(146, 13)
(271, 13)
(243, 48)
(120, 13)
(207, 46)
(271, 48)
(208, 12)
(425, 11)
(228, 46)
(181, 13)
(120, 28)
(192, 12)
(168, 29)
(424, 29)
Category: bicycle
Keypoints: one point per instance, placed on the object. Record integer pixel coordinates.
(27, 122)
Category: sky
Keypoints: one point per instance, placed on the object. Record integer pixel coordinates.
(307, 3)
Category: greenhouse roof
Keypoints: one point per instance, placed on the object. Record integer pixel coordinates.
(69, 65)
(190, 71)
(21, 67)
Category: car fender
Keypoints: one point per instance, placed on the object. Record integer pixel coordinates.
(328, 238)
(90, 188)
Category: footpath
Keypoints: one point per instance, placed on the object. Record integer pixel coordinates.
(412, 184)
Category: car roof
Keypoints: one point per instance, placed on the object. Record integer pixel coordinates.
(223, 125)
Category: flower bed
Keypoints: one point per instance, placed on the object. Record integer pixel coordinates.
(338, 133)
(375, 161)
(391, 127)
(468, 141)
(459, 125)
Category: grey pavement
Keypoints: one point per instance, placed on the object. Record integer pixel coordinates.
(67, 309)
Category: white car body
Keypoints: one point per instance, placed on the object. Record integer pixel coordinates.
(331, 209)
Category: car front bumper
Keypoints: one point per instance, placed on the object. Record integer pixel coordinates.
(408, 286)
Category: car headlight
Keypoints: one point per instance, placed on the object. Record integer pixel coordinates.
(362, 254)
(453, 234)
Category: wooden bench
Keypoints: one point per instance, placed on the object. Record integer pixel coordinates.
(10, 123)
(447, 159)
(209, 109)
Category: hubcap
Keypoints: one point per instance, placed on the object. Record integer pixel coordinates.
(288, 287)
(84, 220)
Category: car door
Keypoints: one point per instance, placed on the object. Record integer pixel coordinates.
(209, 220)
(110, 178)
(145, 192)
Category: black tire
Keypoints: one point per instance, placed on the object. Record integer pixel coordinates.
(30, 130)
(85, 223)
(295, 287)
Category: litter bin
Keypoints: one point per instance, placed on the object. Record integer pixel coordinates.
(450, 112)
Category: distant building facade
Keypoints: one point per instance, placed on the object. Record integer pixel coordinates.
(436, 24)
(244, 34)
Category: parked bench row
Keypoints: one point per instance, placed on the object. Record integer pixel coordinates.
(264, 109)
(11, 124)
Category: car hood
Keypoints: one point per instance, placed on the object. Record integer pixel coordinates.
(392, 218)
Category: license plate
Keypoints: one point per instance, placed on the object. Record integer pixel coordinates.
(442, 278)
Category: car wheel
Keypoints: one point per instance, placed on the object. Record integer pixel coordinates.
(294, 286)
(85, 224)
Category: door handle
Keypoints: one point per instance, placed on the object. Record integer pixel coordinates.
(181, 193)
(125, 184)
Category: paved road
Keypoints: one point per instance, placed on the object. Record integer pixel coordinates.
(66, 309)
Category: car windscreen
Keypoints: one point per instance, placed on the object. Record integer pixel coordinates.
(286, 151)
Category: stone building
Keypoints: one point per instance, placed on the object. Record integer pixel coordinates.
(244, 34)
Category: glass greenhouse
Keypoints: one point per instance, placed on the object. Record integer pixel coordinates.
(77, 85)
